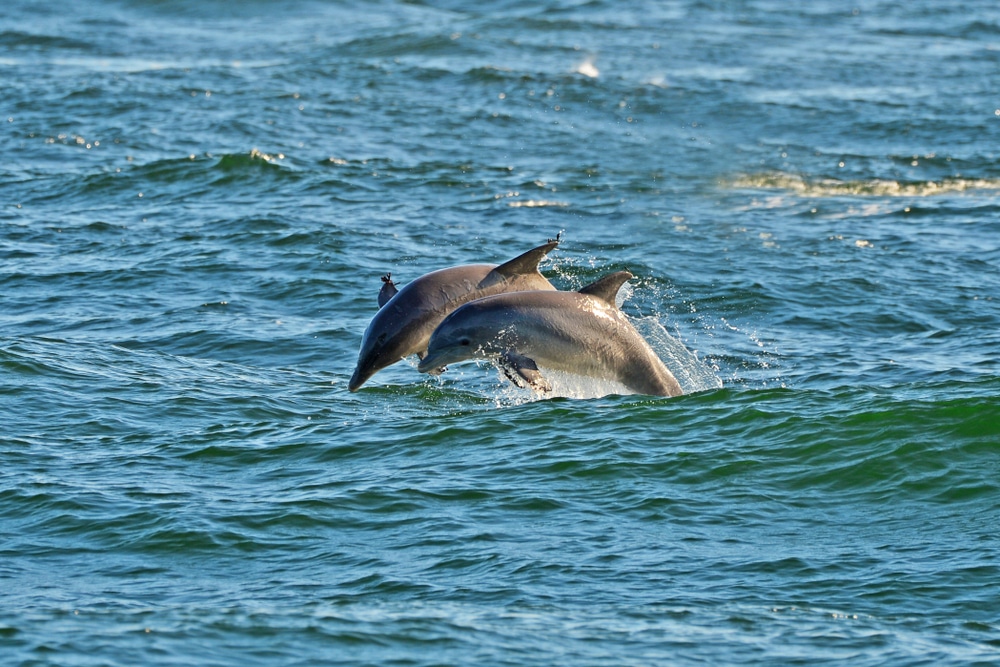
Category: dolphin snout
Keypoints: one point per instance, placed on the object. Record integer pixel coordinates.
(434, 363)
(355, 383)
(361, 375)
(430, 366)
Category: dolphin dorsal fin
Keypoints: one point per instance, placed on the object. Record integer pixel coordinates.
(525, 263)
(606, 288)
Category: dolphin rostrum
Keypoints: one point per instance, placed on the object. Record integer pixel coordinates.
(580, 332)
(407, 316)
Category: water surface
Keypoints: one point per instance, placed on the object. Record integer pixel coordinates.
(198, 199)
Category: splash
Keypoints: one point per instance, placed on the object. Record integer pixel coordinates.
(692, 373)
(564, 385)
(588, 69)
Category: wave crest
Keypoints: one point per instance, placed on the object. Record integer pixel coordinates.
(872, 187)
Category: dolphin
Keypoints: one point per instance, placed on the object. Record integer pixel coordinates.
(407, 316)
(580, 332)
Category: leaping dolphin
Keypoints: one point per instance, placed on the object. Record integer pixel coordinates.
(407, 317)
(580, 332)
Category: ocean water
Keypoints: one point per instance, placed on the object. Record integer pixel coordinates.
(198, 199)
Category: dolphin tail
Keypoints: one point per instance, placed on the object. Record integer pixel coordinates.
(606, 288)
(388, 290)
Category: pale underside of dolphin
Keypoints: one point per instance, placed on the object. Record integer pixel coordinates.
(580, 332)
(407, 317)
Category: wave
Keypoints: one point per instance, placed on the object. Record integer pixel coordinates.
(537, 203)
(871, 187)
(249, 169)
(14, 39)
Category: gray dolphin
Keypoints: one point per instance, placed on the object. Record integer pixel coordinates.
(580, 332)
(407, 317)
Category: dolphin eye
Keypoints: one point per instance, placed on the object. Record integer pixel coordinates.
(465, 342)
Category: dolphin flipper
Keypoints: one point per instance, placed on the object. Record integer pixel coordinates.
(388, 290)
(606, 288)
(523, 371)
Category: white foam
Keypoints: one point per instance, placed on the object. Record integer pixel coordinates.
(588, 69)
(872, 187)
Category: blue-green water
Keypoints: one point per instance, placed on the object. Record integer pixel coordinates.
(198, 199)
